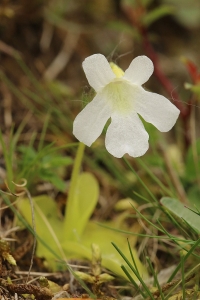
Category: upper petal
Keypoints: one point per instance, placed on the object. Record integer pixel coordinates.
(156, 109)
(98, 71)
(126, 134)
(139, 71)
(90, 122)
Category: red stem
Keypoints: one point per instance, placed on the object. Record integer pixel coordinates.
(166, 83)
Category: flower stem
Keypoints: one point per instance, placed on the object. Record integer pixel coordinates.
(69, 218)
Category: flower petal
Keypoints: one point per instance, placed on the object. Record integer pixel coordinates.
(126, 134)
(139, 71)
(90, 122)
(98, 71)
(156, 109)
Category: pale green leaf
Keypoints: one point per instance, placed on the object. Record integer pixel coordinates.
(48, 226)
(156, 14)
(186, 12)
(83, 204)
(181, 211)
(110, 257)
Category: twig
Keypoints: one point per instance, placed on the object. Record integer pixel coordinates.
(9, 50)
(46, 37)
(63, 57)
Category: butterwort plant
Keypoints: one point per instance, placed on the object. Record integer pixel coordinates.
(121, 97)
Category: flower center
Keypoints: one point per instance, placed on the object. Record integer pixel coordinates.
(116, 70)
(120, 95)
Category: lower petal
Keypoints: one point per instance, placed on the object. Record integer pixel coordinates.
(90, 122)
(126, 134)
(156, 109)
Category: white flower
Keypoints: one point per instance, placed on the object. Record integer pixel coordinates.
(121, 97)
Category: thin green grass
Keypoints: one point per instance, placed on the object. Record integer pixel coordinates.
(155, 278)
(190, 252)
(146, 289)
(140, 180)
(183, 276)
(155, 179)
